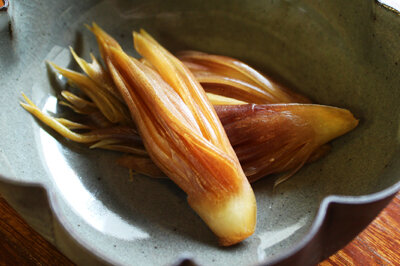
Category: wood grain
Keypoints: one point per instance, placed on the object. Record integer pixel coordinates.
(21, 245)
(379, 244)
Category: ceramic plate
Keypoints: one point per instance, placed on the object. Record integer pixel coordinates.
(341, 53)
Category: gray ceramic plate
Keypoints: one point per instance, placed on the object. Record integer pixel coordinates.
(341, 53)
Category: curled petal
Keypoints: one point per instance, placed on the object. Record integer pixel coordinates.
(97, 73)
(77, 104)
(236, 70)
(71, 124)
(216, 99)
(110, 107)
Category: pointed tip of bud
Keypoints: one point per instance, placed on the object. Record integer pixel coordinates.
(328, 122)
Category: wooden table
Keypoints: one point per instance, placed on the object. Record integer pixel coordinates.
(379, 244)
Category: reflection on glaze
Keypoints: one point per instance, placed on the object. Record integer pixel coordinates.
(270, 238)
(392, 3)
(80, 199)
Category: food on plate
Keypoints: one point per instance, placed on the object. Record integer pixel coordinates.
(183, 136)
(159, 111)
(280, 138)
(271, 139)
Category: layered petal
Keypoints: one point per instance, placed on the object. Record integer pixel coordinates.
(184, 137)
(230, 77)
